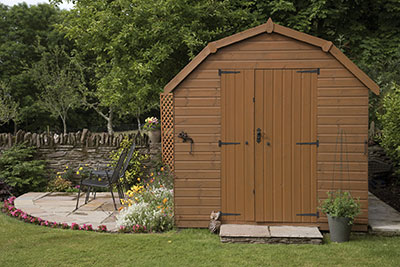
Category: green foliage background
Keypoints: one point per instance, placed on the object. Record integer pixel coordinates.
(19, 169)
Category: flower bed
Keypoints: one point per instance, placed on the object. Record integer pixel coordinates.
(12, 211)
(148, 206)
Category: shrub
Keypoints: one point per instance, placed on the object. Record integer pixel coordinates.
(341, 204)
(5, 190)
(19, 169)
(390, 121)
(135, 171)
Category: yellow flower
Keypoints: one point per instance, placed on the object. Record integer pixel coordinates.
(99, 179)
(77, 172)
(122, 201)
(81, 168)
(158, 207)
(165, 200)
(147, 185)
(162, 169)
(66, 167)
(86, 165)
(151, 174)
(138, 179)
(136, 199)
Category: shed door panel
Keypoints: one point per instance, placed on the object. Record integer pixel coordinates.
(237, 163)
(285, 173)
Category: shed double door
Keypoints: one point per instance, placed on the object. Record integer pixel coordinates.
(268, 146)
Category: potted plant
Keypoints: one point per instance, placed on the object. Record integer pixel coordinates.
(341, 209)
(152, 126)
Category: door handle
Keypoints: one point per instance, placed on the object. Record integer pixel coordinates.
(258, 135)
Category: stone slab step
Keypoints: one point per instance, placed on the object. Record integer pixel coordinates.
(241, 233)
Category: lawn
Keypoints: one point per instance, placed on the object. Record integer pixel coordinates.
(23, 244)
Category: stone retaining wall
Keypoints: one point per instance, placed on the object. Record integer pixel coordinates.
(76, 149)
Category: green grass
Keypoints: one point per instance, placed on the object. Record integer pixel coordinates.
(23, 244)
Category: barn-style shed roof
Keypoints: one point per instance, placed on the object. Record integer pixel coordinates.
(271, 27)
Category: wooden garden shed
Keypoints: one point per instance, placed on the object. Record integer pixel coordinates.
(277, 118)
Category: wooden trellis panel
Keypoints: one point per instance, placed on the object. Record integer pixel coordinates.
(167, 129)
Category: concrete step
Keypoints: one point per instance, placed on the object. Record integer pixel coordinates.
(242, 233)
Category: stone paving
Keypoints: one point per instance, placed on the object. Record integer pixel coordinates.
(236, 233)
(382, 218)
(60, 208)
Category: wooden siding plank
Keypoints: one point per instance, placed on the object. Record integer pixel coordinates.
(249, 148)
(197, 111)
(194, 183)
(277, 146)
(198, 120)
(267, 46)
(335, 166)
(197, 147)
(260, 190)
(198, 174)
(343, 91)
(343, 110)
(210, 156)
(199, 138)
(205, 83)
(350, 120)
(196, 165)
(343, 184)
(192, 201)
(353, 138)
(352, 157)
(339, 82)
(349, 129)
(197, 102)
(333, 148)
(198, 129)
(269, 64)
(197, 92)
(335, 73)
(296, 156)
(343, 101)
(352, 175)
(268, 55)
(197, 192)
(287, 146)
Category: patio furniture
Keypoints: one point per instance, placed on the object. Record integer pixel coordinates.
(108, 178)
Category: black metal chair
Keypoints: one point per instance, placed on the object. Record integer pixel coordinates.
(108, 178)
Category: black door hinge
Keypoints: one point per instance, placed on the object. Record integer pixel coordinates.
(309, 214)
(220, 143)
(309, 71)
(309, 143)
(226, 72)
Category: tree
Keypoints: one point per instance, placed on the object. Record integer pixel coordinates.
(60, 79)
(136, 47)
(9, 108)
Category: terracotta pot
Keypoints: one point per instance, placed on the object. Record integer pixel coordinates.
(154, 136)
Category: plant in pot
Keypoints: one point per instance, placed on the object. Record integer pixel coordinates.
(152, 126)
(341, 209)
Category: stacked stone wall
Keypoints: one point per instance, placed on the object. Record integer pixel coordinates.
(82, 148)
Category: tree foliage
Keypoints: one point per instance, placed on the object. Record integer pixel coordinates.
(59, 78)
(9, 108)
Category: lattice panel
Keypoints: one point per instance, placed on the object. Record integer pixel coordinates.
(167, 129)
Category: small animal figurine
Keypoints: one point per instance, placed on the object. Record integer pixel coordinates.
(215, 223)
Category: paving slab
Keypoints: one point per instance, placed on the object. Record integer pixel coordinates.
(60, 208)
(382, 218)
(295, 232)
(243, 230)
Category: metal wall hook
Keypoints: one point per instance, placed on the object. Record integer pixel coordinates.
(185, 137)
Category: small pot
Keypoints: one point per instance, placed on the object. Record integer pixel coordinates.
(154, 136)
(339, 228)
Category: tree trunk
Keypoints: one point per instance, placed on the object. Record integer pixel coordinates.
(110, 129)
(139, 126)
(64, 124)
(15, 127)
